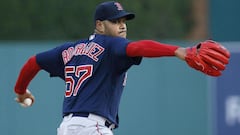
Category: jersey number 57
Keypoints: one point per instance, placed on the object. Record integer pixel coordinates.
(75, 76)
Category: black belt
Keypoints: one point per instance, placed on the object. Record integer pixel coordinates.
(107, 123)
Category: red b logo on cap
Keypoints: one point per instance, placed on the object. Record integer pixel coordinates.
(119, 6)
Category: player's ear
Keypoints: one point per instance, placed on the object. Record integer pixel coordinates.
(99, 26)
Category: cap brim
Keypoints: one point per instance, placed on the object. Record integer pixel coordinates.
(128, 16)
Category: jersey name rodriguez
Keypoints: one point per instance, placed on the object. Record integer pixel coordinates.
(92, 50)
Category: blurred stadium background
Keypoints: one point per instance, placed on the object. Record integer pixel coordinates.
(163, 96)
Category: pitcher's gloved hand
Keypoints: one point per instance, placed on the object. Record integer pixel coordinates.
(208, 57)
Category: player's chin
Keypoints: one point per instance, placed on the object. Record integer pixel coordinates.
(122, 34)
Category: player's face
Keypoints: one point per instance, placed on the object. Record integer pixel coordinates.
(115, 28)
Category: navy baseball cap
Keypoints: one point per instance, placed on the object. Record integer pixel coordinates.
(111, 10)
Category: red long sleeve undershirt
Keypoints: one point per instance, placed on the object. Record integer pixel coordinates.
(143, 48)
(27, 73)
(150, 48)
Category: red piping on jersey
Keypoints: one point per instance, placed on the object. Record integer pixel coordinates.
(27, 73)
(150, 48)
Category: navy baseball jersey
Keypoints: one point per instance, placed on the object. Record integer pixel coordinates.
(94, 71)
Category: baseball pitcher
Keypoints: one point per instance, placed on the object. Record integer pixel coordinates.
(94, 70)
